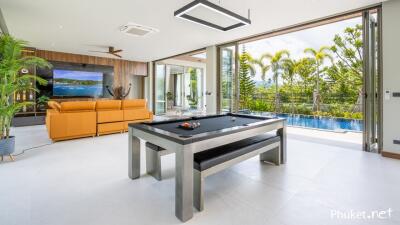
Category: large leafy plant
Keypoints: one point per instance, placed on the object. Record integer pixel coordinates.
(12, 61)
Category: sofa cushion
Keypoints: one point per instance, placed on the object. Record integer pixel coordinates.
(110, 127)
(108, 105)
(110, 116)
(212, 157)
(136, 114)
(78, 106)
(134, 104)
(54, 105)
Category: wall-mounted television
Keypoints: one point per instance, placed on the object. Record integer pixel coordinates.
(77, 83)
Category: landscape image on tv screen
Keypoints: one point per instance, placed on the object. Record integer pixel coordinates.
(77, 83)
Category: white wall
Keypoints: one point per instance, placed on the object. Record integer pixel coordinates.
(391, 74)
(211, 80)
(136, 89)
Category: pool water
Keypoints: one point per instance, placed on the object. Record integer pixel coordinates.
(320, 122)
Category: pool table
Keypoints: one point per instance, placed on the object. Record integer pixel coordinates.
(214, 131)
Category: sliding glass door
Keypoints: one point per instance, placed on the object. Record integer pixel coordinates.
(178, 88)
(193, 83)
(227, 78)
(160, 98)
(334, 81)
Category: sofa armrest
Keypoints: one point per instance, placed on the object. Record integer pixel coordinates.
(64, 125)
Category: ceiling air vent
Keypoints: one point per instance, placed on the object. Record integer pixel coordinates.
(137, 30)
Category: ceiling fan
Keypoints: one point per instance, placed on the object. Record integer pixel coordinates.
(112, 51)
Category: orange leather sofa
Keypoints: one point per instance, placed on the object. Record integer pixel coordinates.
(70, 120)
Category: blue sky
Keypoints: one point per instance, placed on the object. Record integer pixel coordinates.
(296, 42)
(78, 75)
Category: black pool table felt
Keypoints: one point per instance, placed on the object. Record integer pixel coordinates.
(207, 124)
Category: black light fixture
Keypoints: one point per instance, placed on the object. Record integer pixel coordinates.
(183, 14)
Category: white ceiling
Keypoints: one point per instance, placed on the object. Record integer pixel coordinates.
(77, 26)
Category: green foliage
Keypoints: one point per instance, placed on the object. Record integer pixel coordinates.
(42, 100)
(170, 96)
(338, 83)
(193, 98)
(246, 84)
(12, 62)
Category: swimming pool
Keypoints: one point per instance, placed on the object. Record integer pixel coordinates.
(320, 122)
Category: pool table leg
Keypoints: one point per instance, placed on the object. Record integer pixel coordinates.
(133, 156)
(184, 184)
(282, 133)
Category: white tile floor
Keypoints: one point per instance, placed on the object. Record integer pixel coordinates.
(85, 182)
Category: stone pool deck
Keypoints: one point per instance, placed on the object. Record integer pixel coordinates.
(348, 140)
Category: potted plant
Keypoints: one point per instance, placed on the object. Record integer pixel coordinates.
(170, 100)
(193, 101)
(42, 102)
(12, 61)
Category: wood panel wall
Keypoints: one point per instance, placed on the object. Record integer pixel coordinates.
(122, 68)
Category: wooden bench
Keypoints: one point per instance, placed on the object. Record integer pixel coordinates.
(216, 159)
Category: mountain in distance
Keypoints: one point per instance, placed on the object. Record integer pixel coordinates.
(77, 82)
(260, 83)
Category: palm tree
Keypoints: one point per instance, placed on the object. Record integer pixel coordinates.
(276, 64)
(264, 67)
(290, 68)
(319, 56)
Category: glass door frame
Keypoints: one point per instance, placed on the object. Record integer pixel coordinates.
(235, 91)
(155, 64)
(372, 83)
(183, 78)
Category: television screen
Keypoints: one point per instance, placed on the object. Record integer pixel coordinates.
(77, 83)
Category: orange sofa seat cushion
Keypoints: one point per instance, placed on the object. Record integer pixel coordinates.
(78, 106)
(108, 105)
(110, 116)
(136, 114)
(134, 104)
(110, 127)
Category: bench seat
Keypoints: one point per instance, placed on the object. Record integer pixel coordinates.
(212, 157)
(213, 160)
(154, 147)
(153, 159)
(209, 158)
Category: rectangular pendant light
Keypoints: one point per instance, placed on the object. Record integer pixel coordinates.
(182, 13)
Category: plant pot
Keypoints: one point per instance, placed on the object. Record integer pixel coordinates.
(7, 146)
